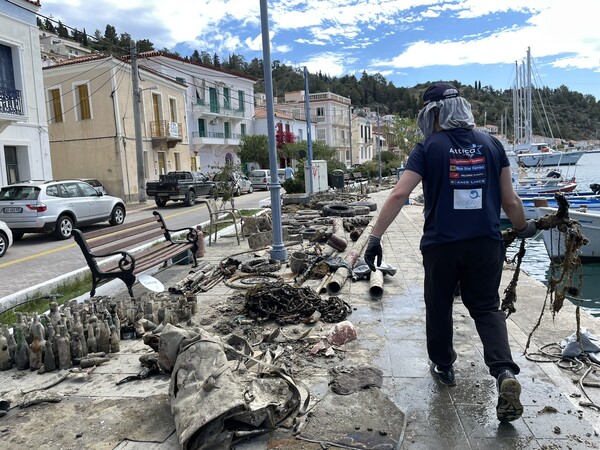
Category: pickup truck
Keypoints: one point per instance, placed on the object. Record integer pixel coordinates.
(184, 186)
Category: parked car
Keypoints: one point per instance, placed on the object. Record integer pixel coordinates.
(56, 207)
(238, 182)
(260, 178)
(180, 186)
(6, 238)
(96, 184)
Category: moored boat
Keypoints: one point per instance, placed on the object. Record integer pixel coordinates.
(541, 155)
(589, 221)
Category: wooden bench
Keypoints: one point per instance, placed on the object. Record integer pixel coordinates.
(347, 178)
(106, 253)
(357, 176)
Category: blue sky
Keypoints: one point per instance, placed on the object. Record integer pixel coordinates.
(407, 41)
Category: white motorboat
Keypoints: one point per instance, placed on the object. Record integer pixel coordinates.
(589, 221)
(541, 155)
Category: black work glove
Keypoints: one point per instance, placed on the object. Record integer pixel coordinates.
(530, 230)
(373, 251)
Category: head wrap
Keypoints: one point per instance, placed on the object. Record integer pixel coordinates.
(444, 100)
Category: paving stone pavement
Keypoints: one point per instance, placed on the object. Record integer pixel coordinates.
(391, 336)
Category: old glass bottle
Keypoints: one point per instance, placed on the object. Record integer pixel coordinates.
(22, 350)
(35, 354)
(64, 349)
(49, 358)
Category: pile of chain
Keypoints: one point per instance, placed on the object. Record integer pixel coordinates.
(286, 304)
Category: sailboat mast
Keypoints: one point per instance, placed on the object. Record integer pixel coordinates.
(528, 123)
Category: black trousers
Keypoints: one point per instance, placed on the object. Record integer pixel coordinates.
(477, 265)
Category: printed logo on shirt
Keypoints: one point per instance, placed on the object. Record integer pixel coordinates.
(468, 198)
(467, 166)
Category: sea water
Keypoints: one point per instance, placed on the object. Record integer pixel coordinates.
(536, 262)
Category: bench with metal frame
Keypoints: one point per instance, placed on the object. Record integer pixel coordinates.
(107, 255)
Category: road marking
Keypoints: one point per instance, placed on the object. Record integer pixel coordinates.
(37, 255)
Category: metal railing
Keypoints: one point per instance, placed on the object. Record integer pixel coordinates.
(166, 129)
(201, 106)
(215, 135)
(10, 102)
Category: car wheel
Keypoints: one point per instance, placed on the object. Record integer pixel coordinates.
(214, 194)
(237, 192)
(190, 198)
(160, 202)
(117, 217)
(3, 244)
(64, 228)
(17, 235)
(250, 189)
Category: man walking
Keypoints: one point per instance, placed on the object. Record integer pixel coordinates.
(466, 180)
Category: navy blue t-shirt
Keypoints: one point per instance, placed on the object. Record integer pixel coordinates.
(461, 185)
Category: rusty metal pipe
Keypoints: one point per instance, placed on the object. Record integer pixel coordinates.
(376, 285)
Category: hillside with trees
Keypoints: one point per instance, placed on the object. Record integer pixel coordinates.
(570, 115)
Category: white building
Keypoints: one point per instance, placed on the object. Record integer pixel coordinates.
(285, 122)
(333, 115)
(25, 150)
(219, 107)
(55, 49)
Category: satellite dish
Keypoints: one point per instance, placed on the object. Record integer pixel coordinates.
(150, 283)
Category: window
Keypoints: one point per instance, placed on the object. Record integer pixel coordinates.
(287, 127)
(56, 115)
(226, 98)
(320, 112)
(177, 161)
(83, 102)
(180, 80)
(227, 130)
(300, 134)
(241, 101)
(320, 134)
(173, 109)
(201, 128)
(243, 131)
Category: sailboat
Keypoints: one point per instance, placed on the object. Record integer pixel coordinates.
(529, 153)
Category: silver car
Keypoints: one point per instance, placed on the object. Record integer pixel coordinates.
(260, 178)
(56, 207)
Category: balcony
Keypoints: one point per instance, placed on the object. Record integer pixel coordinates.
(215, 138)
(212, 109)
(11, 106)
(165, 131)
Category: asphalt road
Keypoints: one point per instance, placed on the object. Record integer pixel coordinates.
(40, 257)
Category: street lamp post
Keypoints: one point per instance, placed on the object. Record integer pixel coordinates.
(379, 144)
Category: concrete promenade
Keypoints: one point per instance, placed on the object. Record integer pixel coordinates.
(95, 413)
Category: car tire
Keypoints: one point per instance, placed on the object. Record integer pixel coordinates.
(64, 228)
(17, 235)
(250, 189)
(237, 192)
(214, 194)
(3, 244)
(117, 216)
(338, 209)
(160, 202)
(190, 198)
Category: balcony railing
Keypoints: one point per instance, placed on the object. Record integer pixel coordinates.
(10, 102)
(202, 107)
(216, 135)
(165, 132)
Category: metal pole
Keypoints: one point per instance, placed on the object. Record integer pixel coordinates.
(379, 143)
(308, 133)
(139, 149)
(278, 252)
(350, 135)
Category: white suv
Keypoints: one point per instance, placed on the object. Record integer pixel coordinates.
(56, 207)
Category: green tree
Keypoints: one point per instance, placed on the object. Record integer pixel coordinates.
(254, 149)
(407, 135)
